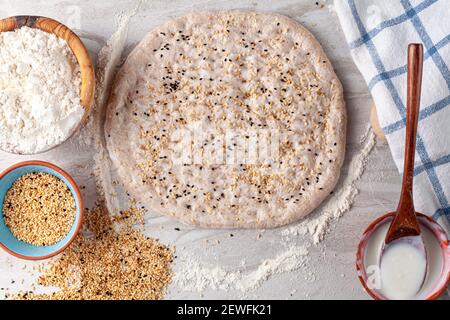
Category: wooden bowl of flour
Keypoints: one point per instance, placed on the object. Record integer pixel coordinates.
(76, 45)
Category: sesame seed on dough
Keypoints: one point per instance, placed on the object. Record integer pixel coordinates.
(267, 74)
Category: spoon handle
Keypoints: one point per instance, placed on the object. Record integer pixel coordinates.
(415, 62)
(405, 221)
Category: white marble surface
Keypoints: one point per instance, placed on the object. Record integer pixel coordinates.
(332, 261)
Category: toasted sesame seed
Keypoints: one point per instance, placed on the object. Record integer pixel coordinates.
(112, 265)
(40, 209)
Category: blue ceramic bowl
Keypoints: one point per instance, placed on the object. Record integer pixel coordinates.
(25, 250)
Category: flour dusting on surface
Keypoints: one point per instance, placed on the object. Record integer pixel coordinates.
(193, 276)
(108, 61)
(342, 199)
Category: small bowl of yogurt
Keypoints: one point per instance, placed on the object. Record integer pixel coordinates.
(438, 263)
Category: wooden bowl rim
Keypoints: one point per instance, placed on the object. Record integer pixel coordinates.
(83, 58)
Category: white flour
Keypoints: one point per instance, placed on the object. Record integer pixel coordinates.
(195, 277)
(342, 198)
(39, 91)
(108, 61)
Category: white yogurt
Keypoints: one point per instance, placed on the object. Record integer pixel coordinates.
(403, 268)
(401, 277)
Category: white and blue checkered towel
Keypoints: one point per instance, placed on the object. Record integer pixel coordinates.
(378, 33)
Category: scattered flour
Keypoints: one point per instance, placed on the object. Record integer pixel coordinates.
(195, 277)
(342, 199)
(331, 8)
(40, 83)
(108, 61)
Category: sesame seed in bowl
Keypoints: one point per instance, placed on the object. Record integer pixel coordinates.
(41, 210)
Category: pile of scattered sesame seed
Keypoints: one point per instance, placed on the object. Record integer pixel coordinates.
(103, 263)
(39, 209)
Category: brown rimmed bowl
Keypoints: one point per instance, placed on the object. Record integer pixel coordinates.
(25, 250)
(425, 221)
(49, 25)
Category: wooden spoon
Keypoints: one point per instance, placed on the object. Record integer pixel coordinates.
(405, 226)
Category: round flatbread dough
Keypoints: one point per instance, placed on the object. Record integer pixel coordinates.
(228, 119)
